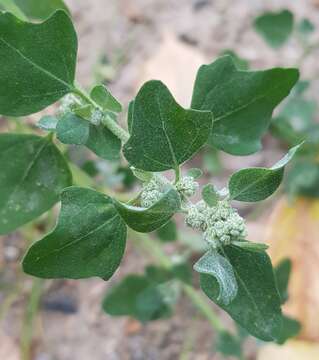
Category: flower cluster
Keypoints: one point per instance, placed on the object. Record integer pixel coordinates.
(68, 104)
(152, 191)
(187, 186)
(221, 224)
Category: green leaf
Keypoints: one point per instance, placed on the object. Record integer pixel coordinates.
(40, 10)
(240, 63)
(136, 296)
(147, 220)
(242, 102)
(168, 232)
(219, 267)
(195, 173)
(256, 184)
(248, 245)
(306, 27)
(256, 306)
(88, 240)
(103, 142)
(275, 27)
(101, 95)
(163, 134)
(282, 273)
(33, 172)
(290, 328)
(210, 195)
(48, 123)
(228, 344)
(72, 129)
(11, 6)
(37, 63)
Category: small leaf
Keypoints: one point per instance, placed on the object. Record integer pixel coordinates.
(147, 220)
(72, 129)
(168, 232)
(105, 99)
(242, 102)
(33, 172)
(88, 240)
(195, 173)
(248, 245)
(306, 27)
(219, 267)
(37, 63)
(163, 134)
(256, 184)
(275, 27)
(48, 123)
(210, 195)
(103, 142)
(282, 273)
(256, 306)
(228, 344)
(290, 329)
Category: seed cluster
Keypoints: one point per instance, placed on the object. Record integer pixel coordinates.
(151, 193)
(221, 224)
(187, 186)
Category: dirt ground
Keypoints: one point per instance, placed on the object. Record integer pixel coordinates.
(144, 39)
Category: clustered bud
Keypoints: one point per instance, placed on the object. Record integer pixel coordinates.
(187, 186)
(221, 224)
(68, 104)
(152, 191)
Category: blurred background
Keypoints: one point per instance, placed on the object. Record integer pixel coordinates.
(123, 43)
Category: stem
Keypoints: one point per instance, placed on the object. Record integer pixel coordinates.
(155, 250)
(116, 129)
(28, 323)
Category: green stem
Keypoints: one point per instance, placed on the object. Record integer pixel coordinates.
(199, 301)
(28, 323)
(116, 129)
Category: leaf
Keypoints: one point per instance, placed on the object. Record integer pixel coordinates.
(240, 63)
(219, 267)
(163, 134)
(40, 10)
(256, 306)
(282, 273)
(138, 297)
(228, 344)
(306, 27)
(72, 129)
(248, 245)
(33, 172)
(167, 232)
(101, 95)
(88, 240)
(210, 195)
(37, 63)
(290, 328)
(195, 173)
(256, 184)
(103, 142)
(147, 220)
(48, 123)
(11, 6)
(242, 102)
(275, 27)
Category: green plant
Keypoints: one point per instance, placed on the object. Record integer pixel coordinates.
(230, 109)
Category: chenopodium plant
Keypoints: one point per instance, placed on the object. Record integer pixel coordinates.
(230, 109)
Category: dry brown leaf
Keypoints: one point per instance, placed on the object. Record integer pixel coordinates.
(293, 232)
(292, 350)
(176, 64)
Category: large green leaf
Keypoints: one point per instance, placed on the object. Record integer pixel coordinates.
(88, 240)
(32, 174)
(40, 10)
(163, 134)
(256, 184)
(37, 63)
(275, 27)
(149, 219)
(218, 266)
(256, 306)
(242, 102)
